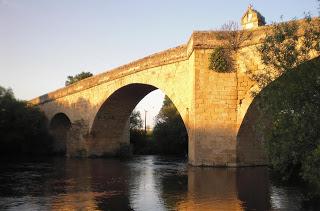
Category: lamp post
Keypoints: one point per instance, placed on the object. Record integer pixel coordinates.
(145, 121)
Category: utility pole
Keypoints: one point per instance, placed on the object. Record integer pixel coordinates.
(145, 121)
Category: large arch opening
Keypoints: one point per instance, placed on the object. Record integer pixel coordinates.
(110, 131)
(59, 127)
(250, 143)
(277, 113)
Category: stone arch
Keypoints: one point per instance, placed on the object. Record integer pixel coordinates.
(250, 141)
(110, 127)
(59, 128)
(250, 149)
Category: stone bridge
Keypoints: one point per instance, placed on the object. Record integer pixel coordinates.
(91, 117)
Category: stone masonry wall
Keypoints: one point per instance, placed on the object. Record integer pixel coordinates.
(214, 106)
(82, 107)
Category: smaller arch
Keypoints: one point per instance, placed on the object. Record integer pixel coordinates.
(59, 128)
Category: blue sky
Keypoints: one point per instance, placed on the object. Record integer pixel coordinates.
(42, 41)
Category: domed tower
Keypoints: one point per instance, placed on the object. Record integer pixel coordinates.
(252, 19)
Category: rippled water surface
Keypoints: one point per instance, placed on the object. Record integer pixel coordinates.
(141, 183)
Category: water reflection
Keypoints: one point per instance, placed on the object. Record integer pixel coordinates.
(210, 188)
(143, 183)
(253, 188)
(144, 179)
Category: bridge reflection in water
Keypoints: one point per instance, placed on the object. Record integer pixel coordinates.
(143, 183)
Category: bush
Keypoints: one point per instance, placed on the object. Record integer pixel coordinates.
(169, 132)
(220, 60)
(292, 105)
(78, 77)
(22, 128)
(232, 38)
(287, 45)
(292, 102)
(311, 171)
(138, 137)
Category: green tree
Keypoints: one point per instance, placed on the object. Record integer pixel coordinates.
(231, 38)
(220, 60)
(78, 77)
(135, 120)
(22, 127)
(137, 134)
(286, 46)
(290, 105)
(169, 131)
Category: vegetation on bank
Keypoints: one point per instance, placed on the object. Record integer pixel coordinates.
(290, 121)
(169, 135)
(169, 130)
(290, 105)
(22, 128)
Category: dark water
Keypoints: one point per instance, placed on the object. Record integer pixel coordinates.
(143, 183)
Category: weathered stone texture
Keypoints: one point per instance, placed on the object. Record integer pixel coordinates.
(212, 105)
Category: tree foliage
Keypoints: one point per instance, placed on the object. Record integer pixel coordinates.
(78, 77)
(291, 104)
(135, 120)
(232, 36)
(22, 127)
(138, 137)
(286, 46)
(169, 131)
(221, 59)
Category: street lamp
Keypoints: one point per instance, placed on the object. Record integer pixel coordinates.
(145, 121)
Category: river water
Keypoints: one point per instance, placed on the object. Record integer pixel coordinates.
(141, 183)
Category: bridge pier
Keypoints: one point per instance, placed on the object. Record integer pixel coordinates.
(80, 143)
(77, 143)
(220, 104)
(214, 123)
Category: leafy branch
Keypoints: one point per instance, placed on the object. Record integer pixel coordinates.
(286, 46)
(221, 59)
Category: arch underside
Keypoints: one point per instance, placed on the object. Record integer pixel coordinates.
(250, 138)
(250, 143)
(110, 129)
(59, 128)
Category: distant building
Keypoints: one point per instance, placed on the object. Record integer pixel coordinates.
(252, 19)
